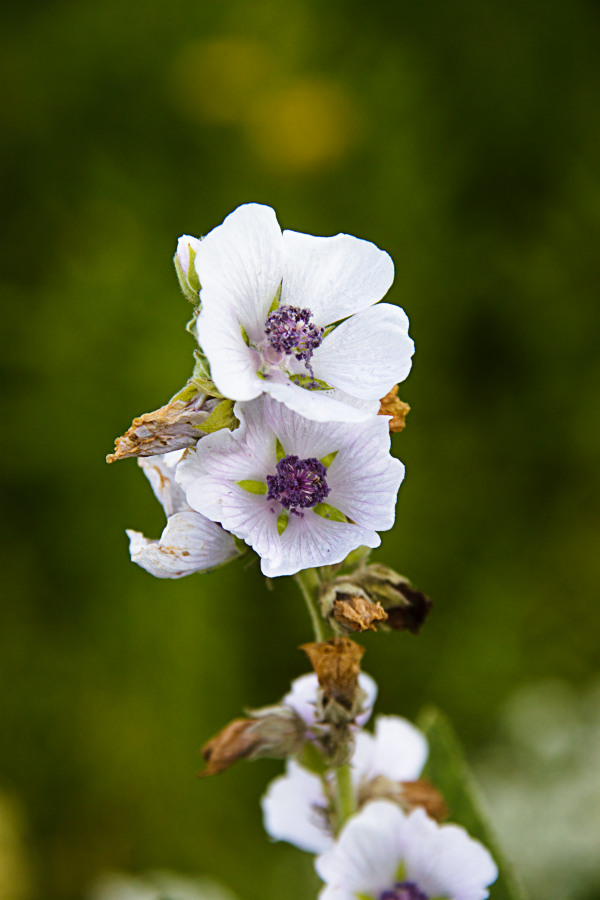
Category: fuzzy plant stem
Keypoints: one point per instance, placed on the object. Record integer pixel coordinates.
(308, 581)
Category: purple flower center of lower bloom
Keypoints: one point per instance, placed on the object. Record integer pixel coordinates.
(289, 330)
(299, 483)
(404, 890)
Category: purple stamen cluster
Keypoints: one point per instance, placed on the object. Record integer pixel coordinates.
(299, 483)
(404, 890)
(289, 330)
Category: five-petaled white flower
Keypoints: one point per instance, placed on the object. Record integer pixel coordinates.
(384, 854)
(190, 542)
(297, 805)
(270, 308)
(301, 493)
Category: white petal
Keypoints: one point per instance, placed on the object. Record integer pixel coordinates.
(303, 697)
(183, 250)
(364, 479)
(369, 686)
(233, 365)
(189, 543)
(367, 354)
(320, 406)
(311, 540)
(444, 861)
(365, 857)
(160, 472)
(333, 276)
(291, 810)
(240, 265)
(399, 750)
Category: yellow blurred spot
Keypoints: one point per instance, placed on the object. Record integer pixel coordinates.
(213, 81)
(308, 125)
(15, 882)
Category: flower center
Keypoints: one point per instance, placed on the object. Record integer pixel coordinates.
(404, 890)
(289, 330)
(299, 483)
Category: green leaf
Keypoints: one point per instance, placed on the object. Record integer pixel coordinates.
(327, 460)
(310, 383)
(221, 417)
(279, 451)
(282, 521)
(276, 300)
(253, 487)
(201, 376)
(330, 512)
(448, 770)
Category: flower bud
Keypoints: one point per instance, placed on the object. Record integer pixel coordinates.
(184, 258)
(406, 607)
(348, 608)
(274, 732)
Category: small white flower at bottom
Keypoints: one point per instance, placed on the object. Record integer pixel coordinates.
(383, 854)
(190, 542)
(301, 493)
(296, 807)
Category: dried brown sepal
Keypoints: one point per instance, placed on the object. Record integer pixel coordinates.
(406, 607)
(422, 793)
(391, 405)
(355, 612)
(337, 665)
(172, 427)
(274, 732)
(407, 794)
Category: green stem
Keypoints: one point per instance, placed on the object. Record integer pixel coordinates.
(308, 581)
(346, 805)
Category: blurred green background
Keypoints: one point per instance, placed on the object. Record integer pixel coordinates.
(463, 138)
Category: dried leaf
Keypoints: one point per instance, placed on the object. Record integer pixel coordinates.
(355, 612)
(337, 664)
(391, 405)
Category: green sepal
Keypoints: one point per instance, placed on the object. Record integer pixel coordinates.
(310, 383)
(327, 460)
(361, 896)
(401, 872)
(279, 451)
(253, 487)
(448, 770)
(330, 512)
(221, 417)
(312, 759)
(245, 335)
(328, 330)
(201, 376)
(187, 392)
(276, 300)
(282, 521)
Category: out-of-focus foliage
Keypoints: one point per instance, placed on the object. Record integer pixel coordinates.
(463, 138)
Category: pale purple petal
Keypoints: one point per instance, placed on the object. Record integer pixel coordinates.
(189, 543)
(293, 810)
(311, 540)
(367, 354)
(334, 277)
(321, 406)
(240, 266)
(160, 472)
(233, 365)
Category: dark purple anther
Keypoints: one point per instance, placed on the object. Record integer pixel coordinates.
(289, 330)
(404, 890)
(299, 483)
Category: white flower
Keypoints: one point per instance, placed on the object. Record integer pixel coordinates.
(274, 501)
(303, 697)
(267, 301)
(296, 805)
(190, 542)
(384, 854)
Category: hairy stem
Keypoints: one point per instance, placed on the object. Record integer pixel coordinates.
(308, 581)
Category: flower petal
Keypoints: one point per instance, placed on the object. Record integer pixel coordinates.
(367, 354)
(233, 365)
(240, 266)
(310, 540)
(334, 277)
(184, 243)
(398, 750)
(189, 543)
(321, 406)
(303, 697)
(160, 472)
(364, 479)
(291, 810)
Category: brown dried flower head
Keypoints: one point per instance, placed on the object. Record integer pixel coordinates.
(354, 611)
(337, 665)
(391, 405)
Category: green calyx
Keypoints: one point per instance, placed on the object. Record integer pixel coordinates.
(253, 487)
(222, 416)
(330, 512)
(188, 282)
